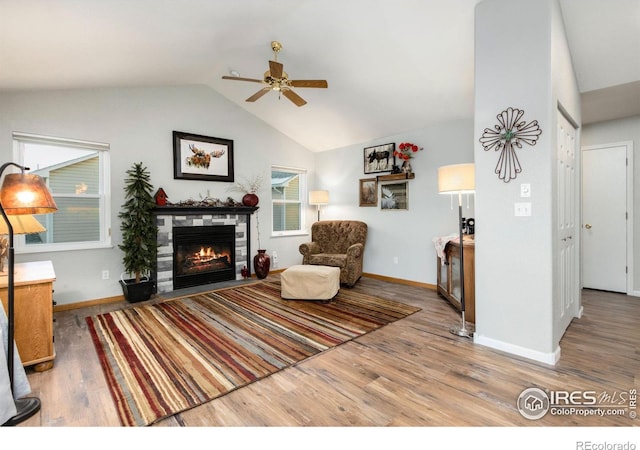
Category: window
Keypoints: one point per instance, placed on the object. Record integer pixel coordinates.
(77, 174)
(287, 188)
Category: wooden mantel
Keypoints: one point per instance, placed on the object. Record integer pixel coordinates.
(173, 210)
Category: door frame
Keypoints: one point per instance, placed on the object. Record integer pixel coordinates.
(630, 224)
(568, 157)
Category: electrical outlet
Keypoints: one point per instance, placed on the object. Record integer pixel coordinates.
(274, 258)
(105, 274)
(522, 209)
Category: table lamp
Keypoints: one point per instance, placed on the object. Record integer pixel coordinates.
(458, 179)
(26, 224)
(21, 194)
(319, 198)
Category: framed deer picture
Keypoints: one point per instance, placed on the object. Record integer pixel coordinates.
(379, 159)
(394, 196)
(368, 192)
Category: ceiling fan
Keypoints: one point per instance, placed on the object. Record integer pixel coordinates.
(277, 79)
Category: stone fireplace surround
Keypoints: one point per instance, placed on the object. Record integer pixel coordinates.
(168, 217)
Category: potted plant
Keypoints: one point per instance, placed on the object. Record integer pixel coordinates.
(139, 234)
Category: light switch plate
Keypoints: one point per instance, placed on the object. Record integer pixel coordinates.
(525, 190)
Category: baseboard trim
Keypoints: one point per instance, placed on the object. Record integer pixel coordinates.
(100, 301)
(120, 298)
(400, 281)
(547, 358)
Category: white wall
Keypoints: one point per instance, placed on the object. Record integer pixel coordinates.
(521, 62)
(408, 234)
(618, 131)
(138, 124)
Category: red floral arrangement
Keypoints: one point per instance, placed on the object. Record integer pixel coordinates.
(406, 150)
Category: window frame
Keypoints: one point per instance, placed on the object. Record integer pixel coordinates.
(302, 201)
(103, 195)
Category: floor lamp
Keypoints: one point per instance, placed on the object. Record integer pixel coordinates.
(458, 179)
(319, 198)
(20, 194)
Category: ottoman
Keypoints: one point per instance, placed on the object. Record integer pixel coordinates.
(309, 282)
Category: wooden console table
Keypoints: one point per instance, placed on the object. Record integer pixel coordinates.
(33, 312)
(449, 277)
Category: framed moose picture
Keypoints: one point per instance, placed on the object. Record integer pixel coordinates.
(197, 157)
(394, 196)
(379, 159)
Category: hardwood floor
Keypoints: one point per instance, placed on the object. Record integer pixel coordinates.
(410, 373)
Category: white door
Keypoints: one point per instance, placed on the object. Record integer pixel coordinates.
(604, 218)
(568, 286)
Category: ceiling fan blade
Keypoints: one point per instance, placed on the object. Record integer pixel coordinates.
(309, 83)
(275, 68)
(226, 77)
(258, 94)
(295, 98)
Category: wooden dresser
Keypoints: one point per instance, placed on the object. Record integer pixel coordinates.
(449, 277)
(33, 312)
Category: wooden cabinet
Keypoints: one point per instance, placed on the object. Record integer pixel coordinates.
(449, 277)
(33, 312)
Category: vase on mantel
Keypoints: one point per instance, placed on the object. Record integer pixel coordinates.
(250, 199)
(261, 264)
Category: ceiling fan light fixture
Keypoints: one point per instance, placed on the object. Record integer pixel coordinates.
(276, 79)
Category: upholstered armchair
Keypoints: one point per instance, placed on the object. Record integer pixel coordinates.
(337, 243)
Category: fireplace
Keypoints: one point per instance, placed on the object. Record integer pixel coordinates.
(203, 255)
(199, 218)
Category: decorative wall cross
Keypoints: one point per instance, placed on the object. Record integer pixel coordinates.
(509, 133)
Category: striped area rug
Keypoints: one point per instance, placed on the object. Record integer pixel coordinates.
(165, 358)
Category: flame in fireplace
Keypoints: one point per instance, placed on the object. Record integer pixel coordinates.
(207, 255)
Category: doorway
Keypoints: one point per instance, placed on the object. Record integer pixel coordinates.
(606, 212)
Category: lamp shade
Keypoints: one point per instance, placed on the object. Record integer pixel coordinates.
(23, 224)
(24, 193)
(457, 179)
(319, 197)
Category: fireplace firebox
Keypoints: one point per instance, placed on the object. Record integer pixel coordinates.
(203, 255)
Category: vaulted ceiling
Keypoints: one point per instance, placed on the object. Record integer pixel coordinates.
(392, 66)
